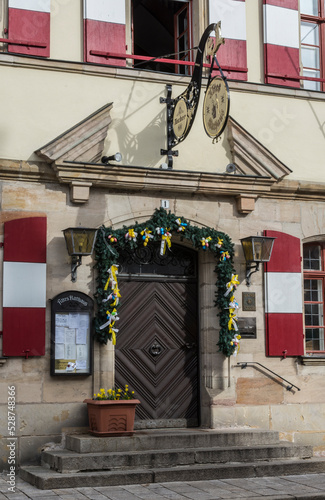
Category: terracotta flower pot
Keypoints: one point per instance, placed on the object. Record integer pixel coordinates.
(110, 417)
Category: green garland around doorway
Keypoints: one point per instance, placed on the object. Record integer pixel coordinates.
(161, 227)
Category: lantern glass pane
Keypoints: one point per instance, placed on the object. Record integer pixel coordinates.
(267, 249)
(248, 249)
(257, 249)
(80, 241)
(68, 240)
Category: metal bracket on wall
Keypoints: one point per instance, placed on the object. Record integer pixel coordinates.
(170, 136)
(186, 104)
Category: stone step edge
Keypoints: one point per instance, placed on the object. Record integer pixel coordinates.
(44, 478)
(75, 442)
(66, 453)
(64, 461)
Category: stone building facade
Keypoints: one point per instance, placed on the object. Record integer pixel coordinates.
(64, 108)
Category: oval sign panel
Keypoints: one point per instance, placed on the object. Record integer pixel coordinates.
(180, 118)
(216, 107)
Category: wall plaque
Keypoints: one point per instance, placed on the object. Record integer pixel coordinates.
(247, 327)
(248, 302)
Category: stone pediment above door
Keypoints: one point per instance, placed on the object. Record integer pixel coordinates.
(251, 157)
(75, 156)
(84, 142)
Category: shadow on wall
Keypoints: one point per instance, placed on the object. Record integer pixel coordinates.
(141, 149)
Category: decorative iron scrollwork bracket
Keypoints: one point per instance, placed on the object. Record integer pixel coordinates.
(186, 104)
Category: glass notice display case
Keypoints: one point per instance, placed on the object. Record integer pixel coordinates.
(71, 334)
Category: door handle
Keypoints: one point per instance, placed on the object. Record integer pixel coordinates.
(155, 349)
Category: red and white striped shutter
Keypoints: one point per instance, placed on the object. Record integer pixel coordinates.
(232, 14)
(24, 287)
(104, 31)
(29, 23)
(281, 42)
(284, 297)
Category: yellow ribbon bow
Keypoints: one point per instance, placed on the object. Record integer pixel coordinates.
(117, 295)
(113, 332)
(112, 277)
(232, 284)
(232, 321)
(220, 242)
(165, 240)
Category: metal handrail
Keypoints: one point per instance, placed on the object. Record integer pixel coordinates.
(245, 363)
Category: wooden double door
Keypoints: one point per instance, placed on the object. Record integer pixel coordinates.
(157, 343)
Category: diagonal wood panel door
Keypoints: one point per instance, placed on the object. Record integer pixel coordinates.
(157, 348)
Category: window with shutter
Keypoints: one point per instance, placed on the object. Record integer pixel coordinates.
(281, 42)
(29, 27)
(283, 297)
(232, 55)
(24, 287)
(314, 281)
(104, 32)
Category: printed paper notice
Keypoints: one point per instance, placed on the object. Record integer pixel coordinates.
(70, 336)
(59, 351)
(81, 336)
(61, 319)
(82, 352)
(81, 364)
(74, 320)
(59, 334)
(70, 351)
(84, 321)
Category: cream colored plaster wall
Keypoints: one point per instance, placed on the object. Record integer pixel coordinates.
(254, 43)
(66, 30)
(292, 129)
(38, 105)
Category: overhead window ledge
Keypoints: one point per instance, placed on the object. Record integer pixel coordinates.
(313, 360)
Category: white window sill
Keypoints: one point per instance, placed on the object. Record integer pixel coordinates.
(313, 359)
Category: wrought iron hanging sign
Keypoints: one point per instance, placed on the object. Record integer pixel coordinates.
(181, 111)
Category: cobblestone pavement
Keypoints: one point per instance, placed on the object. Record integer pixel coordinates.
(302, 487)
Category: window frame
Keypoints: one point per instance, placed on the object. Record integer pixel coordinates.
(318, 20)
(319, 274)
(187, 33)
(182, 65)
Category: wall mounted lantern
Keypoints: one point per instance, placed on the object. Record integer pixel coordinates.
(116, 157)
(80, 241)
(256, 249)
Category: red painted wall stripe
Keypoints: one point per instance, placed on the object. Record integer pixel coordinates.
(233, 53)
(107, 37)
(284, 335)
(281, 42)
(281, 61)
(284, 330)
(24, 331)
(232, 15)
(24, 327)
(286, 4)
(25, 240)
(286, 254)
(29, 26)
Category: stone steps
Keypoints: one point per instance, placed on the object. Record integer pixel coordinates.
(170, 439)
(66, 461)
(44, 478)
(169, 455)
